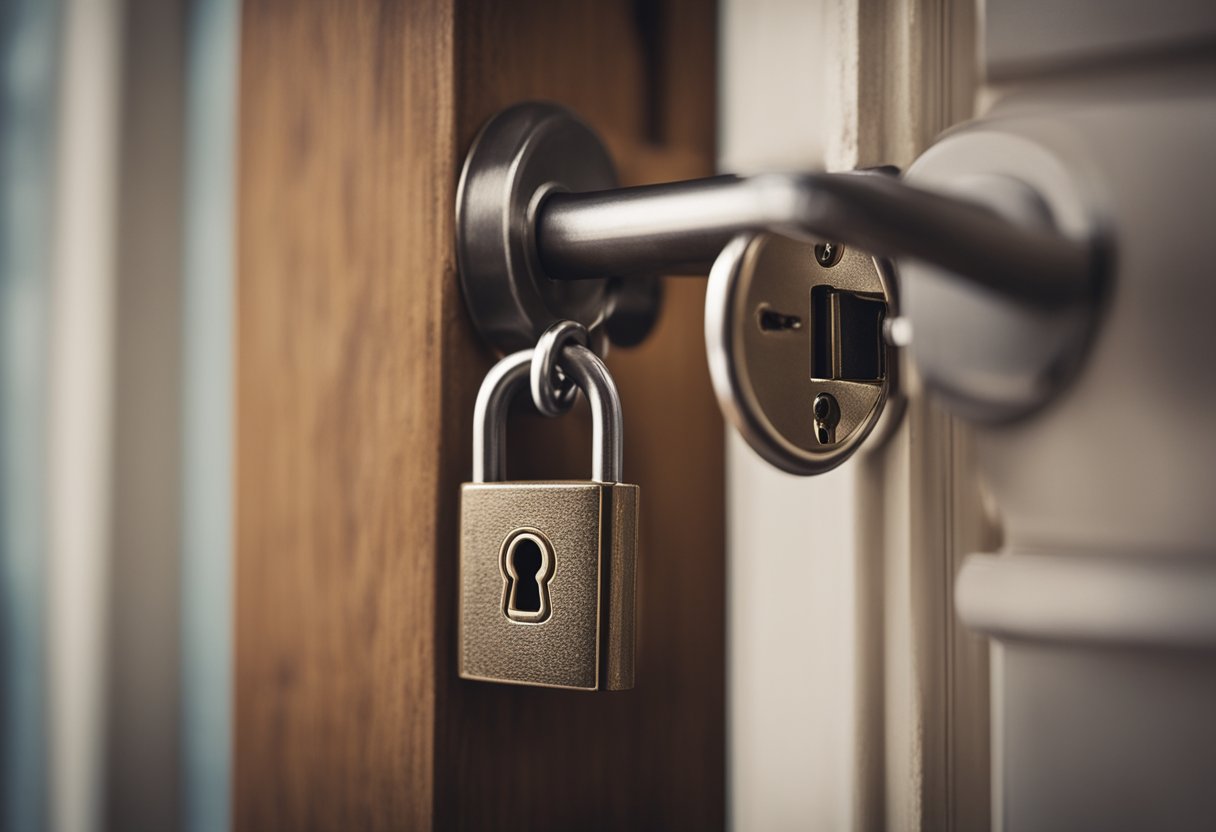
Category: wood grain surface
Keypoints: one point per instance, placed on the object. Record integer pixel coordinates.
(357, 370)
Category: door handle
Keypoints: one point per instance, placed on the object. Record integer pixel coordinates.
(683, 227)
(544, 234)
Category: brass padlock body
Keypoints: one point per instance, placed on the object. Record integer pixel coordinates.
(587, 640)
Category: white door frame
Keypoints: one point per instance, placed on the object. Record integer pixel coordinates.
(856, 699)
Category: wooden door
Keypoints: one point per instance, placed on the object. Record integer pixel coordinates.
(357, 368)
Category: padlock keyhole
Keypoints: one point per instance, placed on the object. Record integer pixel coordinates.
(528, 567)
(527, 560)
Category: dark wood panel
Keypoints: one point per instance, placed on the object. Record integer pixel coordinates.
(357, 373)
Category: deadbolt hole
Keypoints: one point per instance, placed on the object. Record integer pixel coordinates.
(846, 335)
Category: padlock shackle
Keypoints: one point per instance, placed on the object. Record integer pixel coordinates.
(510, 374)
(607, 424)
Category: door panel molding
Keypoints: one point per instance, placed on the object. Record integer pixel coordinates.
(920, 512)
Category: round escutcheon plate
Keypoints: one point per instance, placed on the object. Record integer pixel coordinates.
(521, 156)
(797, 354)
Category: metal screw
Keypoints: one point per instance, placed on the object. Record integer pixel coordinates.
(828, 254)
(822, 407)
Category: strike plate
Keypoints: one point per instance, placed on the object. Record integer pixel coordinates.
(797, 352)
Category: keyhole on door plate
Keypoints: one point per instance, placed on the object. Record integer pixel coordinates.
(527, 568)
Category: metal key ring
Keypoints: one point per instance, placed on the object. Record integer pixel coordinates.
(554, 392)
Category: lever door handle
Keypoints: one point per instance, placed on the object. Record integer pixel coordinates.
(1003, 296)
(683, 226)
(537, 207)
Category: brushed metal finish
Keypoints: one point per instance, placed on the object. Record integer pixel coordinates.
(521, 155)
(656, 229)
(510, 374)
(587, 641)
(763, 379)
(583, 634)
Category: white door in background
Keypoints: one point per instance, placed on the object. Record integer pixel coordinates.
(855, 700)
(858, 699)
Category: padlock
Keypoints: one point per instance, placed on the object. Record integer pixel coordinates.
(547, 569)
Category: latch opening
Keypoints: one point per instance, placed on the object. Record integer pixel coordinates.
(846, 335)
